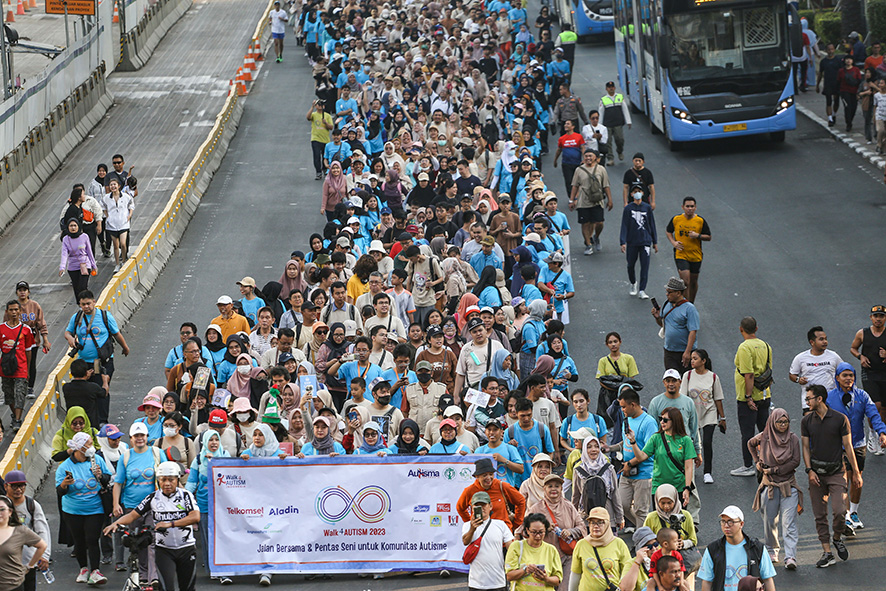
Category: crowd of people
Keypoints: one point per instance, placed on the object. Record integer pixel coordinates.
(429, 314)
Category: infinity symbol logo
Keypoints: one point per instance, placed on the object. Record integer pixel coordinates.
(334, 503)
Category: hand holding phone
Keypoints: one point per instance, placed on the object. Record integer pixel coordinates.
(654, 303)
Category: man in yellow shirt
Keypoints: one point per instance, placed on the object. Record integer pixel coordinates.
(753, 376)
(686, 232)
(229, 321)
(321, 125)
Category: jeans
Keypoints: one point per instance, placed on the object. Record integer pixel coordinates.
(830, 489)
(632, 252)
(527, 364)
(635, 494)
(748, 420)
(780, 511)
(317, 148)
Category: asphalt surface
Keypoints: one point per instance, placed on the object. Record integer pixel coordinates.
(795, 227)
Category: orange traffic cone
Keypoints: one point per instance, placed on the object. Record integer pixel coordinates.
(249, 62)
(20, 9)
(246, 73)
(241, 85)
(32, 3)
(116, 18)
(10, 14)
(259, 55)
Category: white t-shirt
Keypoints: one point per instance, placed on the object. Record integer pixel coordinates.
(488, 568)
(279, 18)
(473, 367)
(545, 411)
(817, 369)
(118, 211)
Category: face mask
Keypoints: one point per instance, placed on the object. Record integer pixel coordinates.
(243, 370)
(89, 453)
(383, 400)
(638, 195)
(424, 378)
(242, 416)
(441, 143)
(169, 432)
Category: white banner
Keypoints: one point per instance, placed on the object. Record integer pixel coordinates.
(337, 514)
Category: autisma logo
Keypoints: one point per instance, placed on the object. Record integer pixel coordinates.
(421, 509)
(419, 473)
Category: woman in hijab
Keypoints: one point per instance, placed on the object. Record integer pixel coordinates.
(532, 333)
(335, 190)
(454, 280)
(533, 488)
(500, 368)
(316, 244)
(392, 190)
(776, 453)
(484, 211)
(216, 346)
(486, 291)
(77, 258)
(235, 346)
(408, 442)
(522, 256)
(438, 247)
(502, 287)
(292, 279)
(373, 442)
(238, 384)
(264, 444)
(614, 557)
(319, 332)
(563, 516)
(596, 463)
(331, 350)
(298, 434)
(322, 443)
(669, 512)
(357, 417)
(461, 318)
(198, 480)
(390, 156)
(75, 421)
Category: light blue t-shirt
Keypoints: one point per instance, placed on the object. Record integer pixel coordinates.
(251, 308)
(391, 376)
(562, 285)
(678, 323)
(490, 296)
(155, 431)
(530, 293)
(529, 444)
(349, 371)
(452, 448)
(736, 566)
(82, 497)
(510, 453)
(594, 423)
(308, 449)
(136, 477)
(88, 353)
(643, 427)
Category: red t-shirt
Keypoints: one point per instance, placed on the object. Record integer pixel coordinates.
(570, 146)
(653, 567)
(25, 343)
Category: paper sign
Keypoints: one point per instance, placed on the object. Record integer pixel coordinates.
(474, 396)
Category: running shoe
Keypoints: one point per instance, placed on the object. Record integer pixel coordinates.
(827, 559)
(83, 576)
(744, 471)
(96, 578)
(633, 291)
(841, 549)
(856, 522)
(708, 479)
(790, 563)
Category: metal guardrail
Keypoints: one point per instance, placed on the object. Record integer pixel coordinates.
(31, 448)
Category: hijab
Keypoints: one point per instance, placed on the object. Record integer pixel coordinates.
(318, 251)
(216, 345)
(667, 491)
(243, 348)
(464, 303)
(67, 432)
(487, 279)
(336, 350)
(326, 445)
(290, 285)
(379, 443)
(402, 446)
(301, 434)
(497, 370)
(206, 455)
(535, 487)
(287, 410)
(603, 515)
(451, 267)
(525, 258)
(775, 447)
(336, 183)
(537, 309)
(438, 246)
(271, 446)
(238, 384)
(593, 466)
(544, 365)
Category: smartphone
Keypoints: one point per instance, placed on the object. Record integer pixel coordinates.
(353, 415)
(655, 304)
(69, 475)
(478, 512)
(540, 567)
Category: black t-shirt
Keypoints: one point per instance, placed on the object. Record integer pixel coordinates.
(825, 435)
(644, 177)
(466, 185)
(830, 66)
(449, 229)
(544, 22)
(84, 394)
(120, 176)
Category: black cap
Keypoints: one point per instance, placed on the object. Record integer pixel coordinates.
(639, 155)
(474, 323)
(483, 466)
(22, 284)
(434, 331)
(610, 83)
(309, 305)
(297, 254)
(404, 236)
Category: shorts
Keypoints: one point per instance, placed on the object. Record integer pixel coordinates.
(694, 267)
(876, 389)
(590, 215)
(277, 35)
(14, 391)
(860, 453)
(117, 233)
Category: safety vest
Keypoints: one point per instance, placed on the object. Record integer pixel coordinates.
(613, 116)
(568, 37)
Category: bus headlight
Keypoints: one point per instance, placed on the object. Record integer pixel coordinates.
(784, 104)
(682, 115)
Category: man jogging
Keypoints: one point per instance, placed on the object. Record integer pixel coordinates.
(277, 19)
(686, 232)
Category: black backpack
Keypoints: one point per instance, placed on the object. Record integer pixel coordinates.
(593, 492)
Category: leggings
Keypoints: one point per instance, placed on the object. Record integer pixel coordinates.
(317, 148)
(707, 446)
(633, 251)
(79, 282)
(850, 103)
(86, 530)
(180, 563)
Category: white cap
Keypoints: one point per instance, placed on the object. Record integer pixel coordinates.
(138, 429)
(451, 411)
(353, 220)
(671, 373)
(732, 512)
(350, 328)
(581, 434)
(224, 300)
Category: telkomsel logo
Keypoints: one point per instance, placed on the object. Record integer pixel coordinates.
(369, 505)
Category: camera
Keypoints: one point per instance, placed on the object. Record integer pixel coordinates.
(73, 352)
(676, 521)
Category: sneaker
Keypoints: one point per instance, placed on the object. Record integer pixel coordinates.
(96, 578)
(826, 560)
(106, 254)
(226, 581)
(621, 157)
(31, 395)
(879, 451)
(831, 122)
(643, 295)
(790, 563)
(265, 580)
(628, 530)
(116, 268)
(120, 567)
(318, 176)
(773, 556)
(16, 425)
(106, 559)
(633, 291)
(708, 479)
(83, 576)
(597, 246)
(856, 522)
(849, 530)
(841, 549)
(379, 576)
(589, 250)
(744, 471)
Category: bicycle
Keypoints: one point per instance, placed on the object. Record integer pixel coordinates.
(136, 539)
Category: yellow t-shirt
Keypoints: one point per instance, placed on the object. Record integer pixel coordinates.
(616, 559)
(545, 554)
(319, 132)
(571, 461)
(751, 358)
(356, 288)
(626, 365)
(680, 228)
(653, 522)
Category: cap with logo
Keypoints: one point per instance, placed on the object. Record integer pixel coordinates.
(488, 241)
(474, 323)
(434, 331)
(150, 399)
(22, 285)
(218, 418)
(110, 431)
(138, 429)
(556, 257)
(878, 310)
(671, 373)
(247, 282)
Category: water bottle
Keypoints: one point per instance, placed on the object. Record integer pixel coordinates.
(559, 531)
(47, 574)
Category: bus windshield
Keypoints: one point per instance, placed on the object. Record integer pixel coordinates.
(726, 43)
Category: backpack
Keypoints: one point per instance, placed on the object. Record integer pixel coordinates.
(593, 490)
(541, 435)
(328, 312)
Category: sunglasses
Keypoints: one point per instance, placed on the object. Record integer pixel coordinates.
(664, 419)
(322, 331)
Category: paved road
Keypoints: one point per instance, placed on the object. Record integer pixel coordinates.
(160, 117)
(793, 227)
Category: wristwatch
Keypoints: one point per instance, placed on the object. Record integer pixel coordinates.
(808, 470)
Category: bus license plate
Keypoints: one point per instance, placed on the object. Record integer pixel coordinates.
(736, 127)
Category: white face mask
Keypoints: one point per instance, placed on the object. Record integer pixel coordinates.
(89, 453)
(169, 432)
(243, 369)
(638, 196)
(242, 416)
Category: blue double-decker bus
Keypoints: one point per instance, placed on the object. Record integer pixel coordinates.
(705, 69)
(587, 17)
